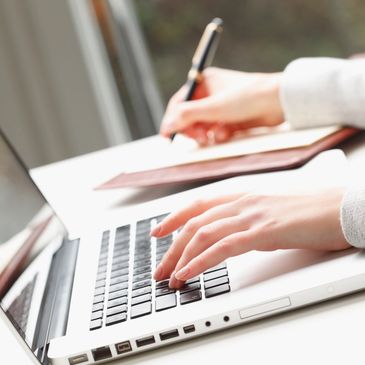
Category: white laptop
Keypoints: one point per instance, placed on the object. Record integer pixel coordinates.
(93, 299)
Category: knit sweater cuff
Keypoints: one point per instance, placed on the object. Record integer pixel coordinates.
(323, 91)
(353, 217)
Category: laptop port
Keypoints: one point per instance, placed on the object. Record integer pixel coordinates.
(145, 341)
(169, 334)
(79, 359)
(189, 329)
(101, 353)
(123, 347)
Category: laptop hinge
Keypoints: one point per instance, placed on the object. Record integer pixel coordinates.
(54, 310)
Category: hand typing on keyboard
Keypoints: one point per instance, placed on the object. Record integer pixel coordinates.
(218, 228)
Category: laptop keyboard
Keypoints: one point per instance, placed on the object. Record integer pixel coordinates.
(124, 288)
(20, 307)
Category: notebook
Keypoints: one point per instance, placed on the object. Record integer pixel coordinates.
(261, 150)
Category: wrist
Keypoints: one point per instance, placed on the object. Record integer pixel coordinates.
(272, 110)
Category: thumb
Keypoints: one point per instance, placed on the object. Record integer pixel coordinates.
(187, 113)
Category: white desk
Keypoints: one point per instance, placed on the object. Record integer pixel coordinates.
(329, 333)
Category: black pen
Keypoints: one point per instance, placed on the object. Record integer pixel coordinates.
(203, 57)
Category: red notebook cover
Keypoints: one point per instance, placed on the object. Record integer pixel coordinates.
(228, 167)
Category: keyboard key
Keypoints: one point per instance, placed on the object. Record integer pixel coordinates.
(118, 294)
(216, 282)
(223, 265)
(217, 290)
(98, 307)
(162, 249)
(215, 274)
(123, 261)
(161, 217)
(118, 301)
(98, 299)
(142, 277)
(142, 262)
(99, 291)
(123, 231)
(164, 241)
(142, 291)
(142, 256)
(122, 252)
(164, 291)
(162, 284)
(140, 310)
(96, 324)
(117, 287)
(99, 284)
(120, 272)
(141, 284)
(190, 287)
(96, 315)
(117, 318)
(116, 310)
(102, 269)
(195, 279)
(160, 256)
(101, 277)
(103, 262)
(190, 297)
(142, 299)
(142, 270)
(165, 302)
(119, 279)
(103, 256)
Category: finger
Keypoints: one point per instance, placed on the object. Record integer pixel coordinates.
(233, 245)
(208, 236)
(177, 219)
(222, 133)
(199, 132)
(185, 114)
(173, 254)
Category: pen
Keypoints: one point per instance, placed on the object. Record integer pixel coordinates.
(203, 57)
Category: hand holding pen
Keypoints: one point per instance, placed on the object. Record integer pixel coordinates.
(225, 102)
(203, 57)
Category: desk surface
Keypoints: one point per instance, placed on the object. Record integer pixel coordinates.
(330, 332)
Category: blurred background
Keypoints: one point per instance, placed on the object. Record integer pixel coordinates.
(80, 75)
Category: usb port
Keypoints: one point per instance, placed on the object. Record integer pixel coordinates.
(145, 341)
(101, 353)
(123, 347)
(189, 329)
(79, 359)
(169, 334)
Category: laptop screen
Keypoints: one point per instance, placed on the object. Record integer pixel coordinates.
(28, 226)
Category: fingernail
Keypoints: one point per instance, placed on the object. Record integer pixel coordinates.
(155, 231)
(172, 281)
(183, 273)
(158, 272)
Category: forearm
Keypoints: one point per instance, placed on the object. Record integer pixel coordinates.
(324, 91)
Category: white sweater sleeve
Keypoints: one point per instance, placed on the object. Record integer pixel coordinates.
(353, 217)
(326, 91)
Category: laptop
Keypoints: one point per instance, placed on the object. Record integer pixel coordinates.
(92, 299)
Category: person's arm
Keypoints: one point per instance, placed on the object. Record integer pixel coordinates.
(310, 92)
(324, 91)
(216, 229)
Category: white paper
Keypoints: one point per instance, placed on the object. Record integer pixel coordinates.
(185, 150)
